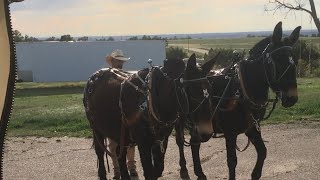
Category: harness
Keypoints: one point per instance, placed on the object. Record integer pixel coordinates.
(253, 105)
(188, 112)
(147, 105)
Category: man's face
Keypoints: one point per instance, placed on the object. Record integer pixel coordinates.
(116, 63)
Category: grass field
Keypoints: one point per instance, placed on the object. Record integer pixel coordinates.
(229, 43)
(55, 109)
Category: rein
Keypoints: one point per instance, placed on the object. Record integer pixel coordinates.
(187, 113)
(266, 57)
(151, 109)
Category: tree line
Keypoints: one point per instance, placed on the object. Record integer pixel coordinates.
(307, 55)
(19, 37)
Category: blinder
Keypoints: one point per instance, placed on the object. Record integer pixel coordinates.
(271, 65)
(156, 70)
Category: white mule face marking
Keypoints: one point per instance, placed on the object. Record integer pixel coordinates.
(205, 93)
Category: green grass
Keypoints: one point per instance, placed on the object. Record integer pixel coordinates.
(229, 43)
(48, 109)
(307, 107)
(55, 109)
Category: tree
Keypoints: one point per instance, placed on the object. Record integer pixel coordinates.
(17, 36)
(84, 38)
(144, 37)
(30, 39)
(308, 57)
(133, 38)
(295, 5)
(101, 39)
(67, 37)
(175, 53)
(110, 39)
(225, 57)
(52, 38)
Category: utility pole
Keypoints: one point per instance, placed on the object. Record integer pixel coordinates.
(188, 43)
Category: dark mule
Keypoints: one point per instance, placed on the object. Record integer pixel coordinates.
(244, 100)
(198, 117)
(115, 103)
(194, 84)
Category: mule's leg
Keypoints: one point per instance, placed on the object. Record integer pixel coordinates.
(256, 140)
(98, 143)
(122, 159)
(146, 160)
(195, 147)
(158, 153)
(182, 161)
(113, 150)
(131, 164)
(231, 141)
(144, 140)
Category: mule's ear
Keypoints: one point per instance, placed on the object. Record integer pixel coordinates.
(293, 38)
(277, 33)
(206, 67)
(192, 62)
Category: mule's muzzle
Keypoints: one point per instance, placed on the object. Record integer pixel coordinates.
(289, 101)
(205, 137)
(289, 98)
(204, 130)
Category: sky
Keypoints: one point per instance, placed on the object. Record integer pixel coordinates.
(43, 18)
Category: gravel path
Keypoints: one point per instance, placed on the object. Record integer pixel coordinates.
(293, 153)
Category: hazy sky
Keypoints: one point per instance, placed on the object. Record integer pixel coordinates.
(135, 17)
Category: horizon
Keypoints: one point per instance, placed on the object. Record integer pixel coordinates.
(303, 32)
(147, 17)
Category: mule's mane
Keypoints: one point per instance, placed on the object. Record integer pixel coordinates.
(258, 48)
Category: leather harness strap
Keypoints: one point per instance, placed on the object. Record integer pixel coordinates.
(149, 98)
(243, 89)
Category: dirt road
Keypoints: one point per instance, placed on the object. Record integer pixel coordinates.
(293, 153)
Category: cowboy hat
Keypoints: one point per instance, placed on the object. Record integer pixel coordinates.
(116, 54)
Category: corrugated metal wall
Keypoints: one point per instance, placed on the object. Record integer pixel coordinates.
(76, 61)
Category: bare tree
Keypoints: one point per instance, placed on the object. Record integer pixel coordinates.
(295, 5)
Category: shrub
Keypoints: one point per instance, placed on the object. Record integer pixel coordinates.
(175, 53)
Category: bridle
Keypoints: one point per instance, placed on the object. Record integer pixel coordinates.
(145, 88)
(206, 94)
(267, 59)
(187, 113)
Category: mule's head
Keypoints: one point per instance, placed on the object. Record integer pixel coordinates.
(279, 65)
(163, 95)
(174, 68)
(198, 90)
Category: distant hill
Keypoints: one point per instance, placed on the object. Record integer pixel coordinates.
(209, 35)
(203, 35)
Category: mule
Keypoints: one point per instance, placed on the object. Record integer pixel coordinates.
(198, 116)
(115, 105)
(241, 96)
(193, 83)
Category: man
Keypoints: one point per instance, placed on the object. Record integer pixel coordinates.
(116, 60)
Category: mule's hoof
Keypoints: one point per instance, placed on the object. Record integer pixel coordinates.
(255, 176)
(116, 177)
(125, 177)
(133, 173)
(102, 178)
(203, 177)
(184, 174)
